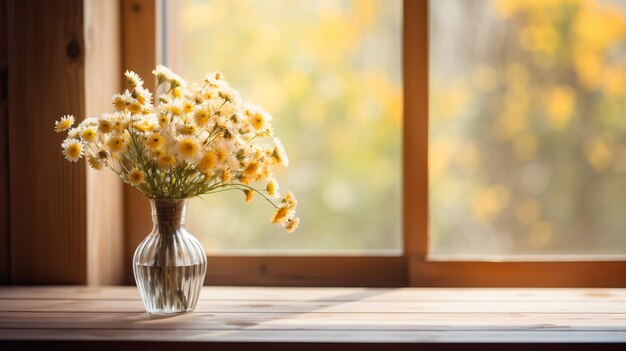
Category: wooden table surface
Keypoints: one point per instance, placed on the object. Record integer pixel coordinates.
(320, 315)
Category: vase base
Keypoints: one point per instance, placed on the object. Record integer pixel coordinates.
(170, 290)
(166, 314)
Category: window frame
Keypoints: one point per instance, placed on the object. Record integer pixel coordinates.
(414, 267)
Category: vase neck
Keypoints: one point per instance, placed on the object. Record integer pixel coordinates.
(168, 215)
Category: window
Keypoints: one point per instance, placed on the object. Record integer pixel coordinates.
(330, 73)
(527, 128)
(430, 108)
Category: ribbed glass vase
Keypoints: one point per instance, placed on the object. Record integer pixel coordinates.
(170, 263)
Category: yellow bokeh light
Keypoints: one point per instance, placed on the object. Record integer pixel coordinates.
(599, 155)
(488, 202)
(560, 105)
(509, 125)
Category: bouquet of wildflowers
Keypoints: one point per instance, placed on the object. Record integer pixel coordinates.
(194, 140)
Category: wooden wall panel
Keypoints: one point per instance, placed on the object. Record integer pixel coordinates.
(48, 203)
(103, 73)
(4, 151)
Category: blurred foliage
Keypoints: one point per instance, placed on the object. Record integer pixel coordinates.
(330, 73)
(528, 127)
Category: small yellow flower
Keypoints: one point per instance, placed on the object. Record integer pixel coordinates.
(243, 179)
(136, 177)
(64, 123)
(263, 173)
(105, 126)
(95, 162)
(188, 149)
(162, 73)
(73, 133)
(280, 214)
(187, 106)
(257, 117)
(116, 144)
(220, 154)
(209, 94)
(207, 162)
(164, 120)
(175, 109)
(229, 94)
(272, 187)
(166, 160)
(155, 141)
(291, 224)
(102, 155)
(119, 102)
(201, 117)
(249, 195)
(226, 176)
(88, 134)
(119, 125)
(213, 78)
(252, 168)
(134, 108)
(279, 154)
(290, 201)
(72, 149)
(187, 129)
(257, 120)
(144, 126)
(133, 80)
(176, 92)
(142, 95)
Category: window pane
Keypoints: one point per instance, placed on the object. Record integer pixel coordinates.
(330, 73)
(527, 127)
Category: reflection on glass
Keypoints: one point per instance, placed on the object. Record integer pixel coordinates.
(330, 73)
(527, 127)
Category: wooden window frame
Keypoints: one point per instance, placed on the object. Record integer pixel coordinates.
(414, 267)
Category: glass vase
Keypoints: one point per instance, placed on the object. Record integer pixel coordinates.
(170, 263)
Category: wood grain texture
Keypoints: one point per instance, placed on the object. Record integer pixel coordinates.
(518, 274)
(48, 202)
(139, 55)
(321, 315)
(105, 217)
(306, 271)
(278, 294)
(5, 244)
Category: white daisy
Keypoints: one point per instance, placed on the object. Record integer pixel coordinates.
(73, 149)
(279, 153)
(64, 123)
(133, 80)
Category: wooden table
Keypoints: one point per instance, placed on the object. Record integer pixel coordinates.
(302, 318)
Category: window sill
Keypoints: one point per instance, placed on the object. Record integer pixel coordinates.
(66, 316)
